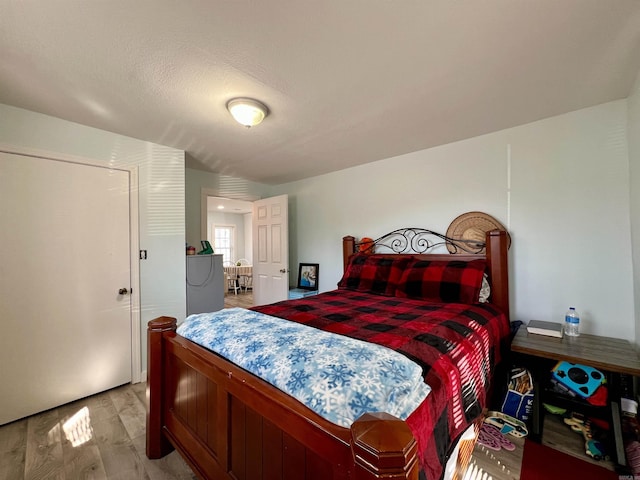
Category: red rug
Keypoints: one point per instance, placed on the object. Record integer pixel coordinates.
(545, 463)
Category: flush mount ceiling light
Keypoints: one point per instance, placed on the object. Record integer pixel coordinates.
(246, 111)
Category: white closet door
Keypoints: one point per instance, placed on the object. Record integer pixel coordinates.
(270, 250)
(65, 330)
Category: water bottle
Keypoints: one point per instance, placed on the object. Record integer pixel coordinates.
(572, 323)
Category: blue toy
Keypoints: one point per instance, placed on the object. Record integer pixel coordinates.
(580, 379)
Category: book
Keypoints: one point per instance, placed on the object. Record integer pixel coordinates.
(541, 327)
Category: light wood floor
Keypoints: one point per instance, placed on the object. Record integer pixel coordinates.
(109, 430)
(100, 437)
(111, 426)
(242, 299)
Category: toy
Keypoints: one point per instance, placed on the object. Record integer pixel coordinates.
(507, 424)
(580, 379)
(553, 409)
(592, 447)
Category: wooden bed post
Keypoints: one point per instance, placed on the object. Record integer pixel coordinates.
(497, 253)
(383, 447)
(348, 249)
(157, 444)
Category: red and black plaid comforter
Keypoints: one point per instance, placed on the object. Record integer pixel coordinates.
(456, 345)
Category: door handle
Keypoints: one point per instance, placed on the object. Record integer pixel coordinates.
(282, 270)
(123, 291)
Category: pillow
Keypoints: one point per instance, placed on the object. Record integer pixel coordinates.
(447, 281)
(485, 290)
(371, 274)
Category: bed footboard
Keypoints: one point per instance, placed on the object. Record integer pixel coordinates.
(229, 424)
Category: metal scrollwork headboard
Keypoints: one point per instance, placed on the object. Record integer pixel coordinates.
(418, 240)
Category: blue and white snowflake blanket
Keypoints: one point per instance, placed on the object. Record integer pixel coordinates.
(338, 377)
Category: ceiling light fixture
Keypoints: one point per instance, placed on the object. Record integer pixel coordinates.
(246, 111)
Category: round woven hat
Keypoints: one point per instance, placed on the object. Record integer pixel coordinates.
(473, 226)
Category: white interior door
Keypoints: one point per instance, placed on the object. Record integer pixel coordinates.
(270, 250)
(65, 329)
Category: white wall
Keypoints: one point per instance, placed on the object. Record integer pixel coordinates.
(161, 198)
(560, 186)
(633, 135)
(571, 218)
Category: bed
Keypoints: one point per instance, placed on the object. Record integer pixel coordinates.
(229, 424)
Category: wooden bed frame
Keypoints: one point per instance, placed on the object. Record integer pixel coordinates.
(229, 424)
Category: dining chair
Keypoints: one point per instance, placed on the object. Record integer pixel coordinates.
(247, 282)
(232, 283)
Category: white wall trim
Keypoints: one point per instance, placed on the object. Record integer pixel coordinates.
(61, 157)
(204, 210)
(134, 232)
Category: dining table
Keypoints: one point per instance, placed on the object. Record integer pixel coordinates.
(240, 272)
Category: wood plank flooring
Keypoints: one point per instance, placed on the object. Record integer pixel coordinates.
(99, 437)
(242, 299)
(507, 465)
(487, 464)
(103, 437)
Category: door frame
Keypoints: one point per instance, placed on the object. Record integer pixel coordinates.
(211, 192)
(134, 237)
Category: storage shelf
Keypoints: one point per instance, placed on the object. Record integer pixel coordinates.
(613, 357)
(560, 437)
(575, 404)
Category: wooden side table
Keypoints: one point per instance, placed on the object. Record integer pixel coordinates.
(612, 356)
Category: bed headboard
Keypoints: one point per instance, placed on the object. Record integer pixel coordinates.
(417, 242)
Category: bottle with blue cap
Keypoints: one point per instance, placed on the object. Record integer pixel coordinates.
(572, 322)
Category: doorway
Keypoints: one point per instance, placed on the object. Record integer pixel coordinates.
(227, 224)
(229, 228)
(272, 247)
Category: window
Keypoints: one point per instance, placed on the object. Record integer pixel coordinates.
(224, 241)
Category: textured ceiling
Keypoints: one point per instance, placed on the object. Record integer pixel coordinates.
(229, 205)
(347, 82)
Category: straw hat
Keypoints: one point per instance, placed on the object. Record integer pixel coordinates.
(473, 226)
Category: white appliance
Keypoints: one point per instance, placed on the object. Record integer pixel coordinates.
(205, 283)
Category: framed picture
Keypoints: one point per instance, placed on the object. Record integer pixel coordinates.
(308, 276)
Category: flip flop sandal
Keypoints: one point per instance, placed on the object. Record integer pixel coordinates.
(488, 440)
(491, 437)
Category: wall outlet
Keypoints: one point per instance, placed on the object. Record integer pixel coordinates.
(143, 254)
